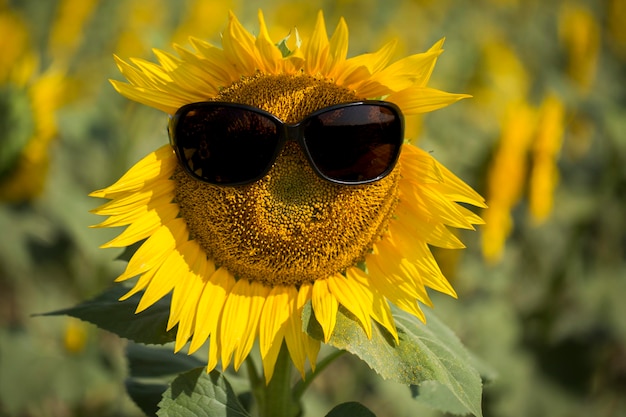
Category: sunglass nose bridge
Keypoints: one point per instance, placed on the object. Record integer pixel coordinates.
(292, 132)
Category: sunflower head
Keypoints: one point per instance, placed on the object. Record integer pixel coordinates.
(242, 261)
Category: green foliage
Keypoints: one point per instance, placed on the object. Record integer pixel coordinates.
(108, 313)
(428, 356)
(145, 395)
(149, 362)
(351, 409)
(201, 394)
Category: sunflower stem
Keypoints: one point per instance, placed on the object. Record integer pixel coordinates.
(276, 398)
(256, 384)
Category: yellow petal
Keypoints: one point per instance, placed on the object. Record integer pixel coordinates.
(293, 332)
(338, 49)
(207, 76)
(273, 324)
(210, 303)
(239, 47)
(144, 226)
(166, 277)
(259, 294)
(424, 264)
(385, 265)
(153, 74)
(155, 249)
(433, 206)
(240, 320)
(398, 288)
(165, 101)
(270, 54)
(157, 165)
(184, 283)
(300, 345)
(140, 284)
(215, 62)
(161, 193)
(411, 71)
(418, 166)
(349, 294)
(416, 100)
(408, 231)
(316, 50)
(375, 61)
(457, 190)
(437, 48)
(325, 307)
(188, 316)
(144, 75)
(380, 310)
(311, 346)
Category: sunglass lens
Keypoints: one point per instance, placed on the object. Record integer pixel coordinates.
(355, 143)
(226, 145)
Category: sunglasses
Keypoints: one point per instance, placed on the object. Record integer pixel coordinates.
(235, 144)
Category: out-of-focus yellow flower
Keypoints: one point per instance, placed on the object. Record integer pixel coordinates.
(616, 16)
(26, 179)
(29, 100)
(580, 34)
(527, 133)
(544, 175)
(67, 31)
(203, 19)
(502, 79)
(75, 335)
(16, 60)
(144, 20)
(506, 177)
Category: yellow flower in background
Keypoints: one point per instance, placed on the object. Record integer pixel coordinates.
(507, 176)
(616, 16)
(580, 34)
(143, 23)
(66, 33)
(202, 19)
(504, 78)
(242, 261)
(75, 336)
(528, 135)
(28, 101)
(544, 175)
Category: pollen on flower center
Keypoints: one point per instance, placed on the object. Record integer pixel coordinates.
(291, 226)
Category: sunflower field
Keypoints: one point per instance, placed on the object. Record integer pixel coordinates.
(534, 300)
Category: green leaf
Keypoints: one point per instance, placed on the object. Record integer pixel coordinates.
(151, 362)
(108, 313)
(350, 409)
(145, 395)
(200, 394)
(282, 46)
(429, 356)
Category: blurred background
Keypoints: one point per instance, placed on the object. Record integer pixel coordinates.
(541, 286)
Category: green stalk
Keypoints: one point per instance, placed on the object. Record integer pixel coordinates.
(276, 398)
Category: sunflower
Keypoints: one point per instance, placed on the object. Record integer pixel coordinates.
(242, 262)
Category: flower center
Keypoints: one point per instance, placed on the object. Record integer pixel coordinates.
(291, 226)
